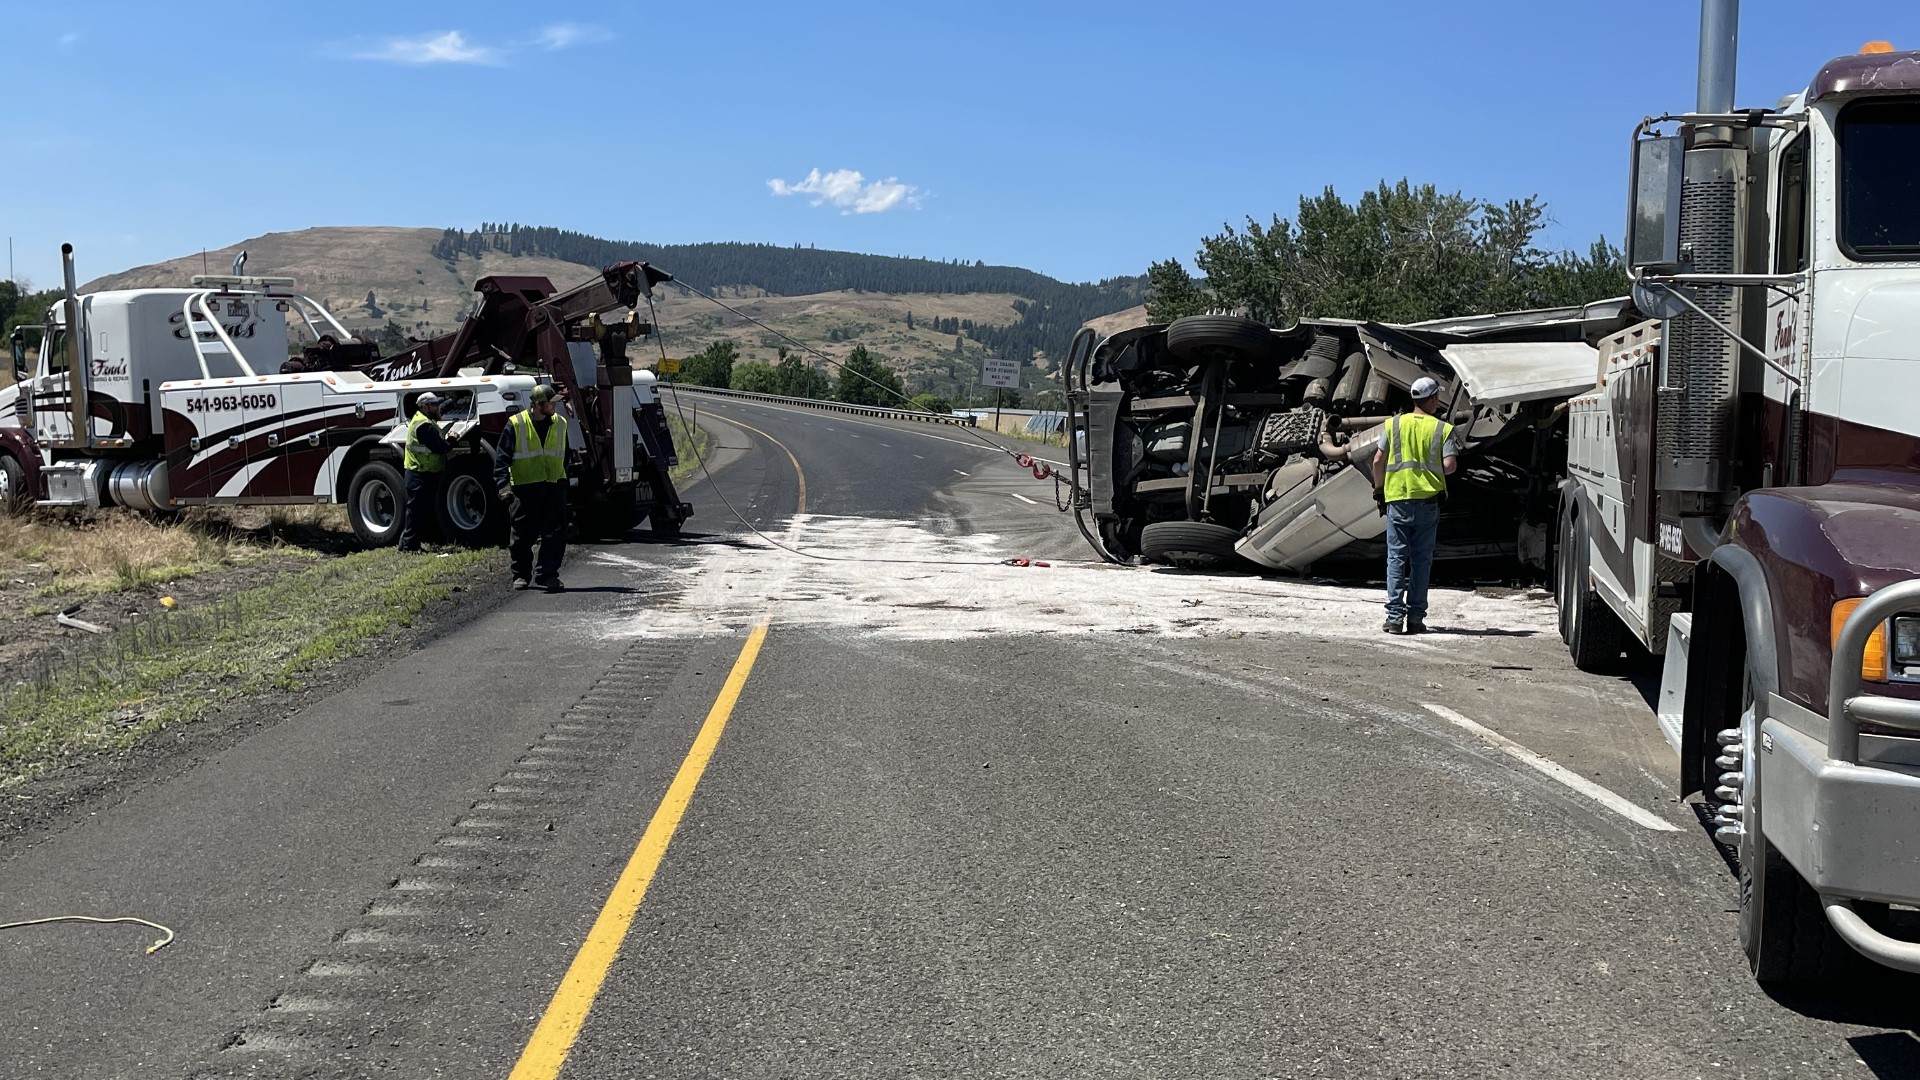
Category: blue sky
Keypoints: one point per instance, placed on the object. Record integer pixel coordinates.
(1082, 140)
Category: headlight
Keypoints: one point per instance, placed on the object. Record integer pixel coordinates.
(1906, 644)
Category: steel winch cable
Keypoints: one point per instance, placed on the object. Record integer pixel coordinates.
(654, 314)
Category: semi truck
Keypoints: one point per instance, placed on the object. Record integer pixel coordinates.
(1721, 470)
(1742, 492)
(242, 390)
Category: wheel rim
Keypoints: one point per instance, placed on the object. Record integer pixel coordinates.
(378, 506)
(6, 487)
(466, 503)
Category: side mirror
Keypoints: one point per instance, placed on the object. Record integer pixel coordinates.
(18, 341)
(1653, 227)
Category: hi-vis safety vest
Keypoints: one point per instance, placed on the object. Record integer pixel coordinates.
(419, 458)
(535, 461)
(1416, 451)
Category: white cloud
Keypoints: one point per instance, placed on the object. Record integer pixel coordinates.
(67, 39)
(850, 191)
(565, 35)
(450, 47)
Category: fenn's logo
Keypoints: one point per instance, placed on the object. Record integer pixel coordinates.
(237, 329)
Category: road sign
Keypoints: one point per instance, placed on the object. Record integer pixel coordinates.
(997, 372)
(667, 367)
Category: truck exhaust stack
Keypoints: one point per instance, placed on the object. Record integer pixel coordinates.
(79, 383)
(1719, 49)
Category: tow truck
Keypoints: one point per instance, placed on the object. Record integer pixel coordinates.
(241, 390)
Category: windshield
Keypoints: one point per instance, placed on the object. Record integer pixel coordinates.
(1880, 179)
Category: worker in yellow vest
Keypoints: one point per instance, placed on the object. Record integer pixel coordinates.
(426, 463)
(530, 469)
(1417, 452)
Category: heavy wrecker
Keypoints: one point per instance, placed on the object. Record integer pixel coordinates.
(242, 390)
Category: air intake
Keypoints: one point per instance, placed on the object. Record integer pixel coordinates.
(1700, 377)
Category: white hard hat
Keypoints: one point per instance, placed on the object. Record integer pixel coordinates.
(1424, 388)
(429, 398)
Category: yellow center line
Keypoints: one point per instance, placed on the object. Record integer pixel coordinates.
(800, 476)
(547, 1050)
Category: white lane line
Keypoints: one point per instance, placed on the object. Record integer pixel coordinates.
(1023, 498)
(851, 435)
(962, 472)
(1639, 816)
(922, 457)
(888, 445)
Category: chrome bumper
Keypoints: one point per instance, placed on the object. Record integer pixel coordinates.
(1864, 836)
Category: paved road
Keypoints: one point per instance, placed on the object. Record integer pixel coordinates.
(959, 819)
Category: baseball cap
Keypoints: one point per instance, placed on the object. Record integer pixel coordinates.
(542, 392)
(429, 398)
(1424, 388)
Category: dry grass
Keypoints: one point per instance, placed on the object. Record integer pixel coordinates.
(1015, 427)
(109, 692)
(117, 551)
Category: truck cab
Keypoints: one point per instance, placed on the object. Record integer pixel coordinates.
(1743, 496)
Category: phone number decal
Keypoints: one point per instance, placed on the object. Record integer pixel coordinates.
(233, 403)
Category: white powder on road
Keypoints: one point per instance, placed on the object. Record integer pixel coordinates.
(897, 579)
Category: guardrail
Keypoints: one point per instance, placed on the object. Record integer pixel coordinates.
(834, 406)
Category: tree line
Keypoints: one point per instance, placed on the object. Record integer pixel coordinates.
(1399, 253)
(1047, 315)
(19, 306)
(863, 378)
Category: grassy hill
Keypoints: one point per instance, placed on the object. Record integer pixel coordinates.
(422, 280)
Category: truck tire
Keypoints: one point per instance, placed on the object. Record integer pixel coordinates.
(469, 508)
(1595, 636)
(667, 522)
(1200, 338)
(1190, 545)
(14, 497)
(1783, 928)
(376, 497)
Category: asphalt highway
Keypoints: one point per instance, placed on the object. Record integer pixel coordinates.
(849, 796)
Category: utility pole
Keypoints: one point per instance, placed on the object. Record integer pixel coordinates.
(996, 409)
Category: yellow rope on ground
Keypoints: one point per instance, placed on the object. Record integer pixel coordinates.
(151, 949)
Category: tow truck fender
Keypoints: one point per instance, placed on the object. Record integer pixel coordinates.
(1730, 582)
(15, 443)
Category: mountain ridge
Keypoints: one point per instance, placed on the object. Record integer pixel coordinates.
(935, 324)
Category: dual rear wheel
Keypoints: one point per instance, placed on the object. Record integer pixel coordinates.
(467, 512)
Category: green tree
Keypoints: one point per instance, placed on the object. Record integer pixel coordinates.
(799, 380)
(1171, 293)
(756, 377)
(392, 339)
(19, 307)
(866, 381)
(1400, 253)
(711, 366)
(931, 402)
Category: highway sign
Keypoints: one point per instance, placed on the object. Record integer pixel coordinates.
(667, 367)
(995, 371)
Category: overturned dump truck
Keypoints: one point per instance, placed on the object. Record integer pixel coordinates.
(1201, 437)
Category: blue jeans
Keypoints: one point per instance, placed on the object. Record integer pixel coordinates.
(1412, 526)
